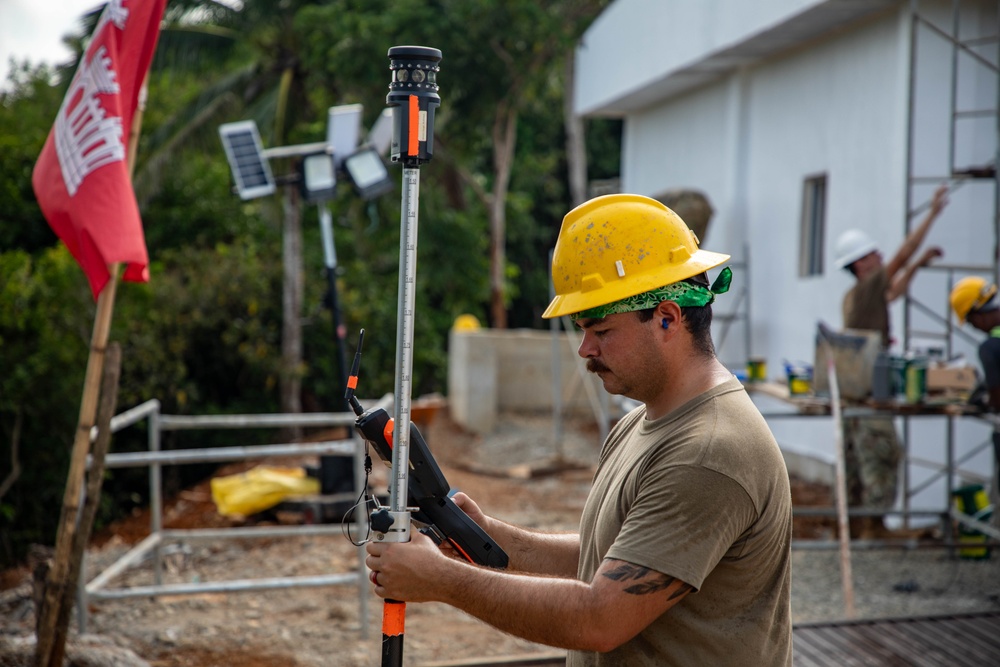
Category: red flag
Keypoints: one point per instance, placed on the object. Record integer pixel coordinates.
(82, 179)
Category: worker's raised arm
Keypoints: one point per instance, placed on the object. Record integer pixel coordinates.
(556, 554)
(901, 283)
(916, 237)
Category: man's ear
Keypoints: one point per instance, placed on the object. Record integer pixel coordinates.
(668, 314)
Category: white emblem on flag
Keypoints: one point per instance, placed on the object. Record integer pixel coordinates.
(86, 136)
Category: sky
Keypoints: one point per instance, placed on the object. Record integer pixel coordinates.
(33, 29)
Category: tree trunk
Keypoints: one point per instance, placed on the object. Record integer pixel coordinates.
(504, 141)
(291, 329)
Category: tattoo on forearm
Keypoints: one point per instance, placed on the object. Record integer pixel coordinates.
(657, 582)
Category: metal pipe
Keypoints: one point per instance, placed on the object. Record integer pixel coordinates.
(183, 422)
(236, 585)
(213, 454)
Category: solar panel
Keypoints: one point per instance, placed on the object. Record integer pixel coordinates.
(246, 160)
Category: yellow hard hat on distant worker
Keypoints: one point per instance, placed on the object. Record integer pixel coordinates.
(970, 294)
(618, 246)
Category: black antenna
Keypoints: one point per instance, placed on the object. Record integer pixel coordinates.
(352, 381)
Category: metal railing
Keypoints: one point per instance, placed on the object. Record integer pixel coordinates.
(98, 588)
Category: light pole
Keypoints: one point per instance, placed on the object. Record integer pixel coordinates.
(318, 166)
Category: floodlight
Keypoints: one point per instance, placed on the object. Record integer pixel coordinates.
(380, 136)
(246, 160)
(368, 172)
(319, 177)
(343, 129)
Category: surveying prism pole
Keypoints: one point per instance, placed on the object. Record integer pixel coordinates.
(413, 98)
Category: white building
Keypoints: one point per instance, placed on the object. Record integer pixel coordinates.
(800, 119)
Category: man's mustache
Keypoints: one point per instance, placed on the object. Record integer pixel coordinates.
(595, 366)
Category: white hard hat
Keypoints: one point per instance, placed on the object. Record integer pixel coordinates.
(852, 246)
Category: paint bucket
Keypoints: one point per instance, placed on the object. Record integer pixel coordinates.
(916, 380)
(756, 369)
(897, 372)
(799, 379)
(973, 501)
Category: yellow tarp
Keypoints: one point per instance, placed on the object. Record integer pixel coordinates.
(259, 489)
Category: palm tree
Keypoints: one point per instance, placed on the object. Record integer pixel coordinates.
(248, 56)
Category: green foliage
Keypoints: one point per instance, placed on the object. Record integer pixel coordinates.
(193, 207)
(41, 376)
(26, 115)
(204, 335)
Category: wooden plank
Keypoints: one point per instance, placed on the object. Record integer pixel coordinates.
(528, 660)
(959, 640)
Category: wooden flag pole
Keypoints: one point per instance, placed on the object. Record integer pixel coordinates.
(92, 494)
(57, 581)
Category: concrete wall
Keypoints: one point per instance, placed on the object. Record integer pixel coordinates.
(491, 371)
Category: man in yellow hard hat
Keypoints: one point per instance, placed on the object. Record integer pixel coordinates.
(683, 554)
(872, 451)
(973, 300)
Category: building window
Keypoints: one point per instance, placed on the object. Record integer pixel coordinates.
(813, 226)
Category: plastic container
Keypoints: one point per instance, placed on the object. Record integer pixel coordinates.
(882, 385)
(756, 369)
(897, 372)
(972, 500)
(800, 378)
(916, 380)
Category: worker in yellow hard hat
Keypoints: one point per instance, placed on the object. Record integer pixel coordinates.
(973, 300)
(683, 555)
(872, 451)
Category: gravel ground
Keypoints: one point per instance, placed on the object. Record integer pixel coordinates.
(321, 626)
(892, 583)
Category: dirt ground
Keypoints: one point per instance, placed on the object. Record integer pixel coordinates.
(519, 474)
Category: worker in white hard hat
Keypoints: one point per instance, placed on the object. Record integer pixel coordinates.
(684, 550)
(866, 305)
(872, 451)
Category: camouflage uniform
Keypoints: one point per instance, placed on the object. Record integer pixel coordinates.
(872, 451)
(872, 454)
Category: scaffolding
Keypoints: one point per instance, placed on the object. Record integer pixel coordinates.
(962, 150)
(160, 538)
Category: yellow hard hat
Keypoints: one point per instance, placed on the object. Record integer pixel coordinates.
(465, 322)
(617, 246)
(970, 294)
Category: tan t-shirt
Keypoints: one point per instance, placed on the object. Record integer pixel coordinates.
(702, 495)
(865, 306)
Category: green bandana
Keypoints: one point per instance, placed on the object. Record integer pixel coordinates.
(682, 293)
